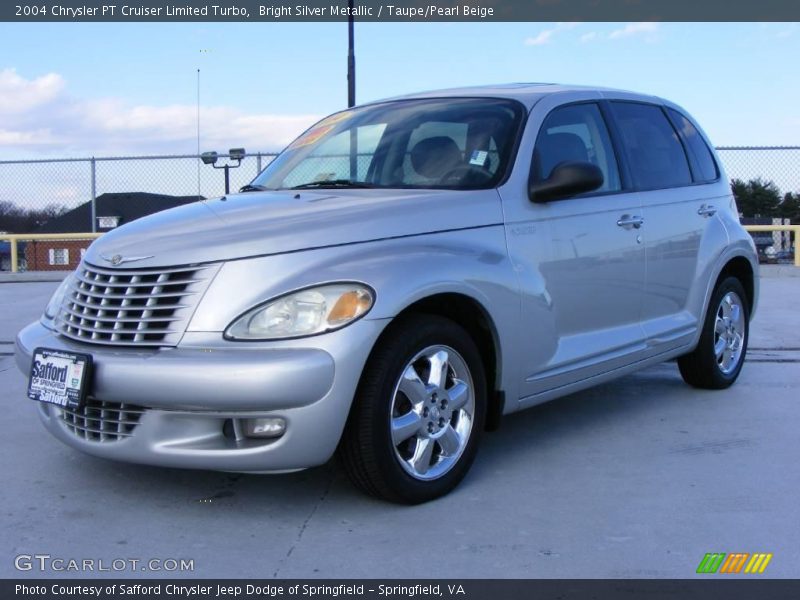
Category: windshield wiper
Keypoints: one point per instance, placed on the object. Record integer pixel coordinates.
(250, 187)
(334, 183)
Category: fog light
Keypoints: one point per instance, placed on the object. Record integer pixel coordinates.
(271, 427)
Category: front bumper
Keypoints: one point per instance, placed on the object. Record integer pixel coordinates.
(190, 391)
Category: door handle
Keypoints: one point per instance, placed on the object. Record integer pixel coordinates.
(706, 210)
(630, 221)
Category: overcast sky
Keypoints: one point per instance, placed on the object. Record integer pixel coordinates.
(121, 89)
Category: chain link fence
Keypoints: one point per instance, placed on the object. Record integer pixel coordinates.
(36, 191)
(778, 164)
(96, 194)
(85, 195)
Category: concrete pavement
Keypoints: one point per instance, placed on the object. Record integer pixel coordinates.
(637, 478)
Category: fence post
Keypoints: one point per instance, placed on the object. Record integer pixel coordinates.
(14, 256)
(796, 249)
(94, 195)
(258, 163)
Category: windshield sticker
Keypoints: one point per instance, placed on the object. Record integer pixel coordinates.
(311, 137)
(342, 116)
(479, 157)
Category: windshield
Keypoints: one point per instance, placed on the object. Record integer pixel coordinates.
(452, 143)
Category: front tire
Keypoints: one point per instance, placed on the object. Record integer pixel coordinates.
(418, 412)
(717, 361)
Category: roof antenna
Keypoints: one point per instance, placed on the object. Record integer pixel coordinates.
(198, 134)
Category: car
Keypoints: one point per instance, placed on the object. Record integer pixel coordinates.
(400, 277)
(774, 256)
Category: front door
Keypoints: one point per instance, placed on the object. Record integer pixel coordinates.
(581, 260)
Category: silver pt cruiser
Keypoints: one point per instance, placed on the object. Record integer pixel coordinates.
(402, 275)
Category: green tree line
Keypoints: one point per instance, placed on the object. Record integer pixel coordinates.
(760, 198)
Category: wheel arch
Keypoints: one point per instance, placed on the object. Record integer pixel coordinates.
(475, 319)
(740, 268)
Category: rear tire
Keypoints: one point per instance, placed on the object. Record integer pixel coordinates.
(418, 413)
(717, 361)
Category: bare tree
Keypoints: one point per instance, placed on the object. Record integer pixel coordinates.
(15, 219)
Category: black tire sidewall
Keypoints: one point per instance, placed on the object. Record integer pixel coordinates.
(407, 338)
(705, 353)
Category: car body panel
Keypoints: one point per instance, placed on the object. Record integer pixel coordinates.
(471, 263)
(263, 223)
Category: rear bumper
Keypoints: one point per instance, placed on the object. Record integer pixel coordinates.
(190, 392)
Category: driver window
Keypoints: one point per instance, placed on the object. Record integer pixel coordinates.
(576, 133)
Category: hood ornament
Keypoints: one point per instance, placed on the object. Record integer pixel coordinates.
(118, 259)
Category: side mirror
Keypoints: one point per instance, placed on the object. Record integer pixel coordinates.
(567, 179)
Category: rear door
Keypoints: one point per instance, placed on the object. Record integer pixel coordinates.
(671, 170)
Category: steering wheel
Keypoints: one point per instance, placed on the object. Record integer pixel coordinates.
(478, 173)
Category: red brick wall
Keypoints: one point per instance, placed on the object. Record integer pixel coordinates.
(38, 254)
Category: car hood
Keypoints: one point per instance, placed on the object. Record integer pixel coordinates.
(263, 223)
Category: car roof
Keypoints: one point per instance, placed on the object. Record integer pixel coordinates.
(527, 93)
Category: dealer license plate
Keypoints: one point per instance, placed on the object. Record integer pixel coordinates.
(59, 377)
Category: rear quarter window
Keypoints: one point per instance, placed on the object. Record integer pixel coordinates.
(705, 167)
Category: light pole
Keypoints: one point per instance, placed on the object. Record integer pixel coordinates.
(210, 158)
(351, 58)
(351, 88)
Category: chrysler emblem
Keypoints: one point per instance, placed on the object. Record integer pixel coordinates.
(118, 259)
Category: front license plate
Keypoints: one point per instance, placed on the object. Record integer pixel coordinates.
(59, 377)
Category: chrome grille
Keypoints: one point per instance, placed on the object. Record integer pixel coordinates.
(138, 307)
(99, 421)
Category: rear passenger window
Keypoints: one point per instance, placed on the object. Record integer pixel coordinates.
(703, 161)
(655, 152)
(576, 132)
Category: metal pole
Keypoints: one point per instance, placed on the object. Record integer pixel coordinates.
(351, 89)
(94, 195)
(258, 163)
(227, 180)
(14, 256)
(198, 133)
(351, 58)
(796, 231)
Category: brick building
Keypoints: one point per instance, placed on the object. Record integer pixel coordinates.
(112, 210)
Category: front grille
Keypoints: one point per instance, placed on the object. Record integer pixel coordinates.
(98, 421)
(144, 307)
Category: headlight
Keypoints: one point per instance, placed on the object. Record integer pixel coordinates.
(52, 308)
(305, 312)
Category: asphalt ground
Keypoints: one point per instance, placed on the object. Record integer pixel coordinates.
(637, 478)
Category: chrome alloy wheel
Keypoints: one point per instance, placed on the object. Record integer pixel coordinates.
(432, 410)
(729, 332)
